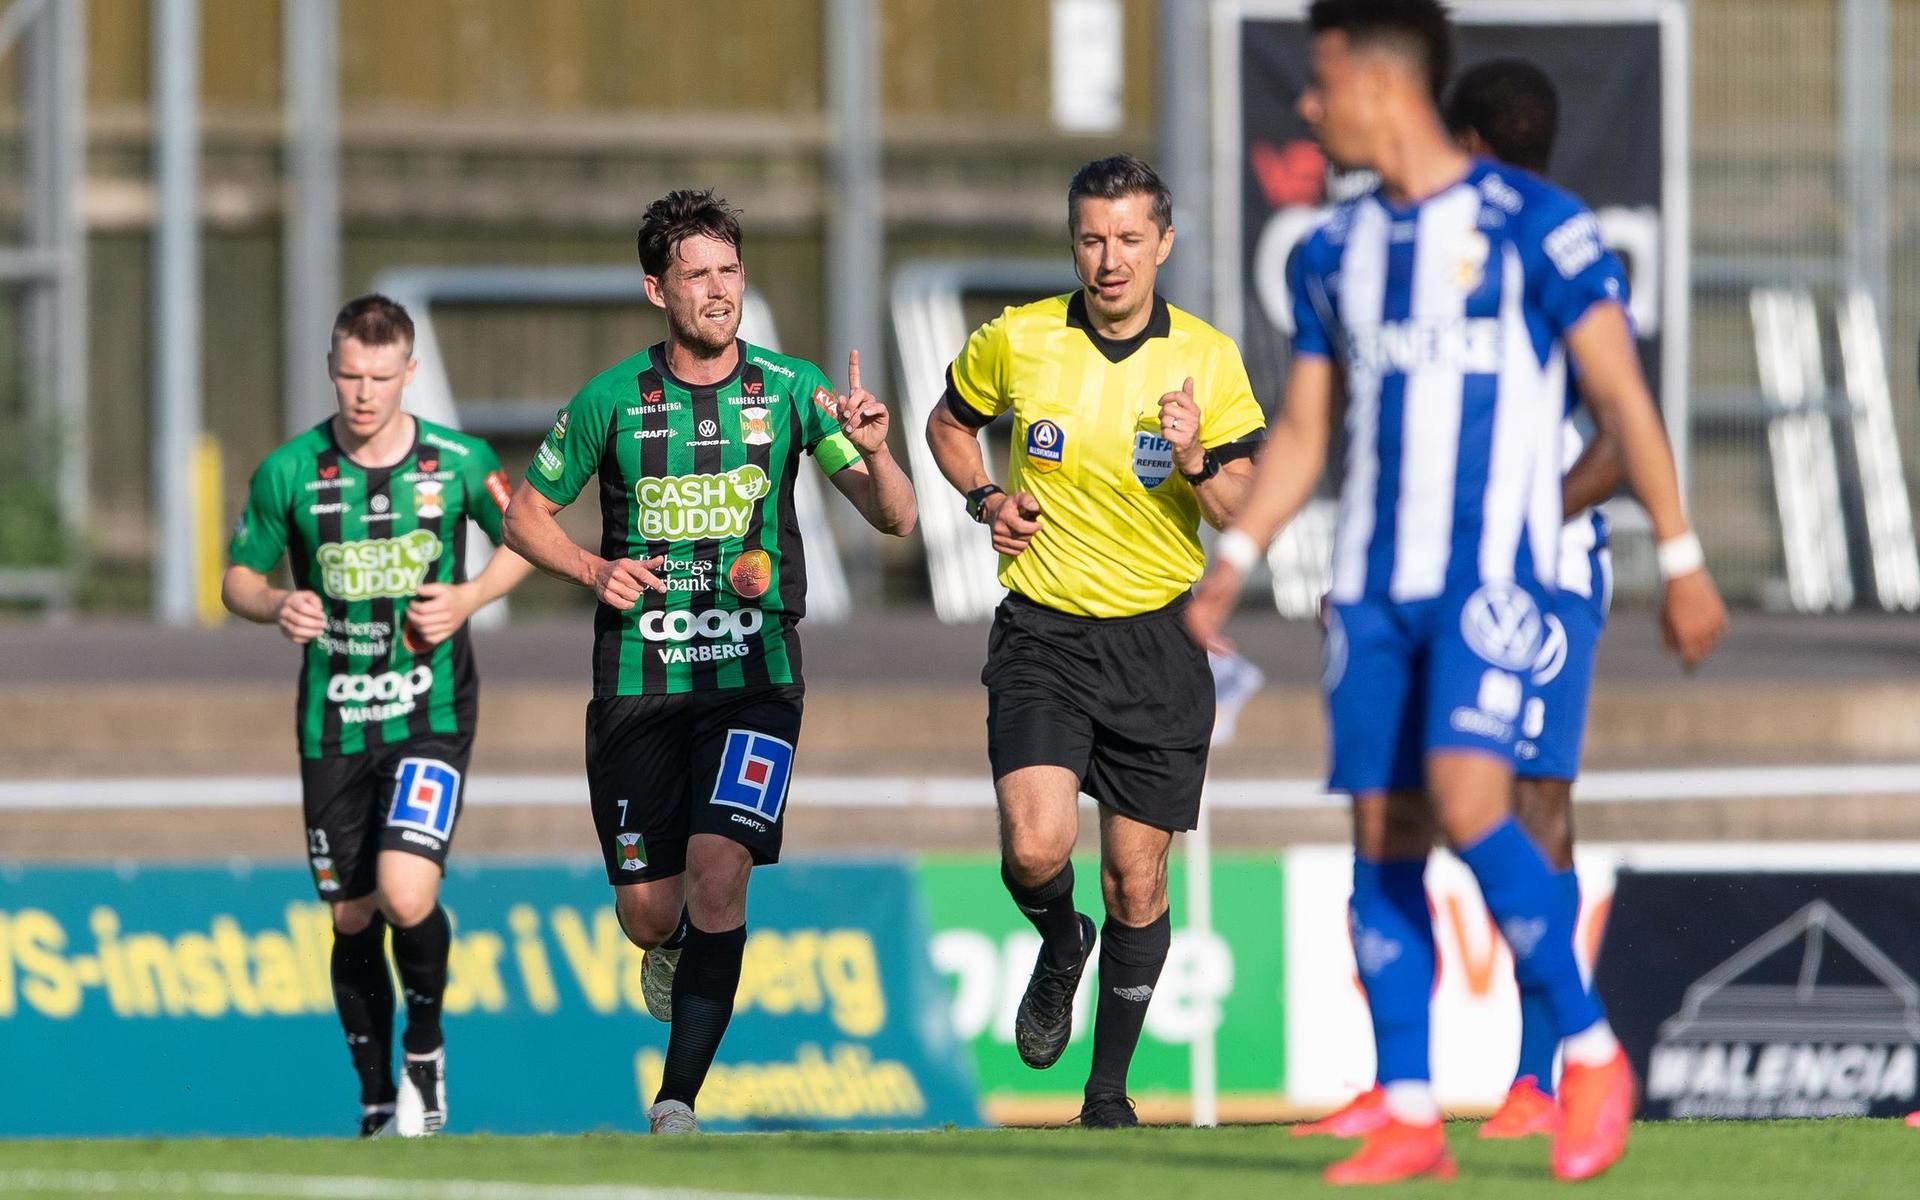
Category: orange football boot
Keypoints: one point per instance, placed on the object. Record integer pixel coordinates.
(1394, 1152)
(1596, 1110)
(1526, 1112)
(1913, 1120)
(1362, 1115)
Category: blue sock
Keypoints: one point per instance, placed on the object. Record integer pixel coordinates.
(1393, 945)
(1539, 1039)
(1527, 905)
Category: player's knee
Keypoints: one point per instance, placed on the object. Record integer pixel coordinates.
(1134, 896)
(644, 925)
(353, 916)
(407, 907)
(1544, 808)
(1034, 861)
(717, 896)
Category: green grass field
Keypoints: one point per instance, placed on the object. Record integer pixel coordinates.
(1745, 1161)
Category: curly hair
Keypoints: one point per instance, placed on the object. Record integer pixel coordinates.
(679, 215)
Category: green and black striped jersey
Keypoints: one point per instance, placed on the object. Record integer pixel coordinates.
(703, 476)
(365, 539)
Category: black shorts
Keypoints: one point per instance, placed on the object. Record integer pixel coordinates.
(663, 768)
(405, 797)
(1125, 703)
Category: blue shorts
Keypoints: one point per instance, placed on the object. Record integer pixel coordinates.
(1554, 726)
(1404, 680)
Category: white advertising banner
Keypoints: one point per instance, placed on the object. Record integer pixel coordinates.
(1476, 1017)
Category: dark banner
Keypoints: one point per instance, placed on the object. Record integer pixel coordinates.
(1611, 152)
(1767, 995)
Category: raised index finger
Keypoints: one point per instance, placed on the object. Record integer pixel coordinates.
(853, 370)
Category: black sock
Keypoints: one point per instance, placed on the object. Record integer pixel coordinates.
(703, 989)
(420, 953)
(679, 937)
(1050, 908)
(363, 992)
(1130, 962)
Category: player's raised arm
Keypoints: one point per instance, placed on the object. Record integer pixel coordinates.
(1693, 617)
(874, 483)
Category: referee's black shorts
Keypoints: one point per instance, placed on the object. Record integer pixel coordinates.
(1125, 703)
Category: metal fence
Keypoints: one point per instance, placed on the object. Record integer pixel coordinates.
(1805, 173)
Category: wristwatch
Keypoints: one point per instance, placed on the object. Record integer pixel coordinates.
(1209, 467)
(977, 501)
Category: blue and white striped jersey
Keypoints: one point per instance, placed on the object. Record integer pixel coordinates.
(1449, 317)
(1584, 536)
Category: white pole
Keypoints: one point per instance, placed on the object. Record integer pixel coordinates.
(1204, 1081)
(176, 304)
(310, 287)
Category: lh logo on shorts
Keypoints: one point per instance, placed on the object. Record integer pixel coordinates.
(426, 797)
(754, 769)
(1502, 625)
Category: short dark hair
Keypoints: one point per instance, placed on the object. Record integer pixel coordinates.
(1115, 176)
(679, 215)
(1419, 27)
(374, 320)
(1512, 105)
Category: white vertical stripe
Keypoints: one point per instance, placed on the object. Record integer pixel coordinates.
(1577, 538)
(1546, 517)
(1514, 459)
(1363, 291)
(1435, 395)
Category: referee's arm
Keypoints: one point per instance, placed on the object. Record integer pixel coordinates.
(1013, 520)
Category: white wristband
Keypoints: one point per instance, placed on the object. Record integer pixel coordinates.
(1237, 549)
(1681, 555)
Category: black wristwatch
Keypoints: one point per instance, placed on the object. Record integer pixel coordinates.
(977, 501)
(1209, 467)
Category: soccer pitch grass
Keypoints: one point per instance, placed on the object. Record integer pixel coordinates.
(1735, 1161)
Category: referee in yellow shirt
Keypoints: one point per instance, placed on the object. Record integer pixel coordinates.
(1132, 420)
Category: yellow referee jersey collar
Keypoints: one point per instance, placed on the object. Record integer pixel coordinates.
(1159, 324)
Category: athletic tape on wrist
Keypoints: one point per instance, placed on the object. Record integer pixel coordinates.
(1681, 555)
(1237, 549)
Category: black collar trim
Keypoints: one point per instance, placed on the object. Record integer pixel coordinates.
(658, 353)
(412, 448)
(1159, 324)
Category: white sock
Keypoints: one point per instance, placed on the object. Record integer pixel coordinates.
(1593, 1046)
(1411, 1102)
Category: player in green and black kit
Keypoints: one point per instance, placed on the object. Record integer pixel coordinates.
(371, 508)
(701, 580)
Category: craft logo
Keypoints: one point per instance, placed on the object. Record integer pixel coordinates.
(1810, 1020)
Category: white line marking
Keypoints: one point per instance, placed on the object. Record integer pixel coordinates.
(960, 791)
(337, 1187)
